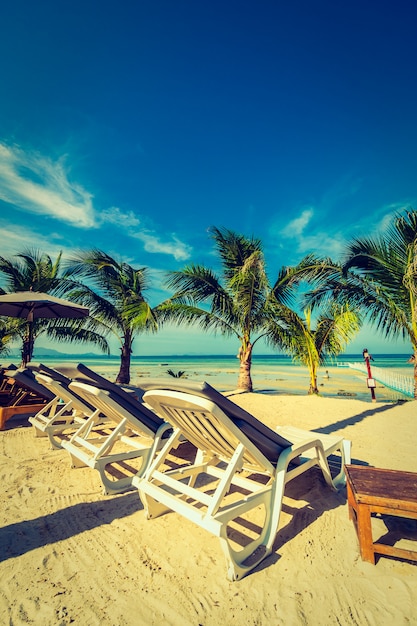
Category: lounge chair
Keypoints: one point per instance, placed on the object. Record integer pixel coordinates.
(21, 394)
(65, 413)
(4, 384)
(122, 447)
(233, 451)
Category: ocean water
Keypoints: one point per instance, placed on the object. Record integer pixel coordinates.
(270, 373)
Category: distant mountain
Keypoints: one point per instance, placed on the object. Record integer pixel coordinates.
(39, 352)
(49, 352)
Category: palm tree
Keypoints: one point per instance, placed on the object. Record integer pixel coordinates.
(179, 374)
(238, 302)
(115, 299)
(36, 271)
(378, 275)
(7, 334)
(334, 328)
(388, 266)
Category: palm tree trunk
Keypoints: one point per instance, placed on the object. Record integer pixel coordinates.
(123, 377)
(313, 385)
(27, 349)
(415, 373)
(313, 381)
(245, 380)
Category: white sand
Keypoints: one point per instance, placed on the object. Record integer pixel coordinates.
(70, 555)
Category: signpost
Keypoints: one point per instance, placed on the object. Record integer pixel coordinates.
(370, 381)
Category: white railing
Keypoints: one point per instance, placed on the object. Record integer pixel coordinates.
(390, 378)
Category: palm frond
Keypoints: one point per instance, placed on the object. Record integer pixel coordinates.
(185, 314)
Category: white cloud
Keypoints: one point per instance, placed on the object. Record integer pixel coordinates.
(34, 183)
(296, 227)
(151, 243)
(114, 215)
(18, 238)
(305, 238)
(389, 212)
(179, 250)
(323, 244)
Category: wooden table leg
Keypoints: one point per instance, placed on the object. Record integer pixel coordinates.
(351, 503)
(365, 533)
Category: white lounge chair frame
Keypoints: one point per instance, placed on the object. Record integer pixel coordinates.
(66, 412)
(226, 454)
(123, 430)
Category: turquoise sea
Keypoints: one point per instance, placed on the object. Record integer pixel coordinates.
(270, 373)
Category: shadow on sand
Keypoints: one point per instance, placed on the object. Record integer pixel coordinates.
(22, 537)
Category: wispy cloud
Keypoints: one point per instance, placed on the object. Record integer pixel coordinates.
(382, 218)
(323, 244)
(296, 227)
(123, 219)
(307, 238)
(16, 239)
(153, 244)
(388, 212)
(36, 184)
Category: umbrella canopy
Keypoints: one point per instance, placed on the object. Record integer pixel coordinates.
(31, 305)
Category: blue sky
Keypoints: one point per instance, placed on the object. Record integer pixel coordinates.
(135, 126)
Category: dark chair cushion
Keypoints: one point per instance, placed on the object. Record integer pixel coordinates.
(26, 379)
(270, 443)
(11, 366)
(60, 378)
(49, 371)
(124, 397)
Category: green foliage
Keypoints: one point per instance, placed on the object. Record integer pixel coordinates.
(235, 302)
(113, 292)
(8, 331)
(333, 329)
(36, 271)
(179, 374)
(32, 270)
(377, 276)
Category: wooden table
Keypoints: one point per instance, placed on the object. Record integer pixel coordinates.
(371, 490)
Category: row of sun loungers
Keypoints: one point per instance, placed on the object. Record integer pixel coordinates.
(186, 448)
(20, 394)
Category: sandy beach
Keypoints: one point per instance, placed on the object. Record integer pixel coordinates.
(70, 555)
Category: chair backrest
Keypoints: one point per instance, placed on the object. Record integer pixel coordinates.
(48, 371)
(58, 384)
(204, 424)
(11, 366)
(86, 380)
(26, 379)
(64, 392)
(4, 385)
(82, 373)
(270, 443)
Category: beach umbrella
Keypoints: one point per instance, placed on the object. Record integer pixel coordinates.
(31, 305)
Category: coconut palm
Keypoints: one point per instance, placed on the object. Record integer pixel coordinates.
(114, 295)
(179, 374)
(379, 275)
(33, 270)
(310, 346)
(237, 302)
(8, 329)
(388, 265)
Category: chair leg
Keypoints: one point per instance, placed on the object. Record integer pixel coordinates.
(345, 457)
(152, 507)
(239, 564)
(121, 485)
